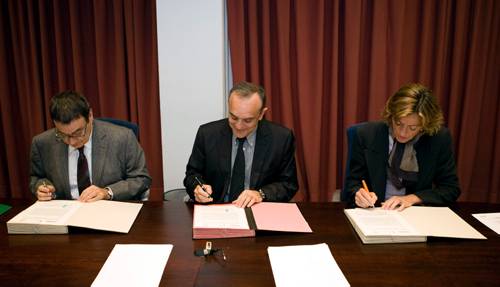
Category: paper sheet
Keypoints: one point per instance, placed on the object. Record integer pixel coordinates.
(220, 216)
(439, 222)
(106, 215)
(48, 212)
(305, 265)
(134, 265)
(492, 220)
(377, 221)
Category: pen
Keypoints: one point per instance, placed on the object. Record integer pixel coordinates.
(201, 185)
(366, 188)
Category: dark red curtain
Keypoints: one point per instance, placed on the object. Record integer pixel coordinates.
(105, 49)
(327, 64)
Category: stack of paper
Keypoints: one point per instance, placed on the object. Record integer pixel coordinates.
(54, 217)
(228, 220)
(414, 224)
(305, 265)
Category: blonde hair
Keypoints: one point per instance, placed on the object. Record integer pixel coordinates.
(415, 98)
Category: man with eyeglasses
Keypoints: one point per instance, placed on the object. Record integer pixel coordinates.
(242, 159)
(86, 159)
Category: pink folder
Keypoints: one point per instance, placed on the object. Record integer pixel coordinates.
(271, 216)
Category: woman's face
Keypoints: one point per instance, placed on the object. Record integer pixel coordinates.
(406, 128)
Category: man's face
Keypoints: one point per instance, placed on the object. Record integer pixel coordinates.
(76, 133)
(406, 128)
(244, 114)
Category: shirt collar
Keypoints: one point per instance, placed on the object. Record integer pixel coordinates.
(250, 138)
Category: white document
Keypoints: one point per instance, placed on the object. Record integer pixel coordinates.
(413, 224)
(492, 220)
(439, 222)
(134, 265)
(106, 215)
(305, 265)
(54, 217)
(49, 212)
(377, 221)
(220, 216)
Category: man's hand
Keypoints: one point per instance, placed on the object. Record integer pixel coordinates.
(401, 202)
(201, 196)
(248, 198)
(94, 193)
(45, 192)
(365, 199)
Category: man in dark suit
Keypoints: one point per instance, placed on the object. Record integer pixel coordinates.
(86, 159)
(242, 159)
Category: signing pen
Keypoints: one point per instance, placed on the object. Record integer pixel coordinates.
(366, 188)
(201, 185)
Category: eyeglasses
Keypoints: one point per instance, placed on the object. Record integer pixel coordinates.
(78, 134)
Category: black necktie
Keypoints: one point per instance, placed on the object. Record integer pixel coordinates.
(82, 173)
(238, 176)
(396, 172)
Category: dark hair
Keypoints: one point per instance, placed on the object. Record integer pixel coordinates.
(246, 90)
(68, 106)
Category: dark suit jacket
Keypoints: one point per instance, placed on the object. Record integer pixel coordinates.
(273, 167)
(117, 162)
(437, 180)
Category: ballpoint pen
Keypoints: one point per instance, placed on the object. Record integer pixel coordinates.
(366, 188)
(201, 185)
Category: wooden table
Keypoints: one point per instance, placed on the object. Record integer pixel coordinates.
(75, 259)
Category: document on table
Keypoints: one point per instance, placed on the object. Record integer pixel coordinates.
(413, 224)
(54, 217)
(49, 212)
(439, 222)
(492, 220)
(305, 265)
(220, 216)
(134, 265)
(377, 221)
(230, 221)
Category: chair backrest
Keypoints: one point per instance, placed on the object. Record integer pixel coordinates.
(351, 133)
(134, 127)
(177, 194)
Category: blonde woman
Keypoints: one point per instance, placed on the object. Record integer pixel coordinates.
(406, 159)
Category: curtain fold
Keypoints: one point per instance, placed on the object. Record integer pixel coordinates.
(105, 49)
(328, 64)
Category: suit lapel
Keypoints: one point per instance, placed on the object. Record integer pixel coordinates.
(98, 153)
(62, 167)
(262, 144)
(423, 150)
(224, 141)
(376, 154)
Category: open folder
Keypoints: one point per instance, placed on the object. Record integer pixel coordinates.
(228, 220)
(414, 224)
(54, 217)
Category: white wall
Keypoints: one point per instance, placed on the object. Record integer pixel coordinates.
(192, 77)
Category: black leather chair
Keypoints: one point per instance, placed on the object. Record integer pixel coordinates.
(176, 194)
(134, 127)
